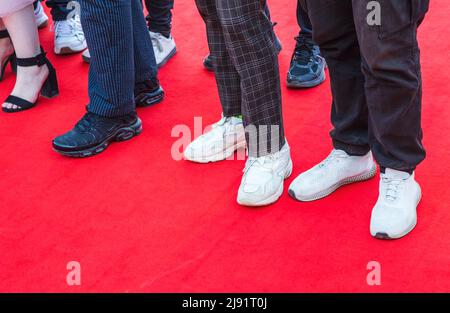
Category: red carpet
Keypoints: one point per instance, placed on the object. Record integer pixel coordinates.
(137, 220)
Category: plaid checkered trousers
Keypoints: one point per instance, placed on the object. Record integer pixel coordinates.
(245, 57)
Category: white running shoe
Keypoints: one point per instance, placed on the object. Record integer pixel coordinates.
(163, 47)
(395, 213)
(69, 36)
(263, 180)
(336, 170)
(225, 137)
(40, 16)
(86, 56)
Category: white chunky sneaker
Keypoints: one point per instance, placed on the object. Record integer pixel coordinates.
(225, 137)
(336, 170)
(395, 213)
(69, 36)
(163, 47)
(263, 179)
(40, 16)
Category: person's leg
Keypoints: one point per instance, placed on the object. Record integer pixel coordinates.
(250, 42)
(24, 36)
(111, 111)
(227, 135)
(304, 22)
(159, 16)
(147, 89)
(59, 9)
(393, 84)
(160, 25)
(111, 73)
(350, 161)
(6, 49)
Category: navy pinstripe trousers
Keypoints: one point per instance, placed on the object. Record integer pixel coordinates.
(121, 54)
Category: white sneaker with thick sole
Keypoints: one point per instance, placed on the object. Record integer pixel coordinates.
(395, 213)
(69, 36)
(225, 137)
(40, 16)
(336, 170)
(263, 179)
(163, 47)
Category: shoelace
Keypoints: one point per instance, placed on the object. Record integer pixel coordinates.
(71, 28)
(224, 121)
(333, 156)
(251, 161)
(304, 50)
(392, 188)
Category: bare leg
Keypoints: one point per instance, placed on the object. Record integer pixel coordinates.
(22, 29)
(6, 47)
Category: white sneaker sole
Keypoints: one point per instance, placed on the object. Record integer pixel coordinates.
(346, 181)
(167, 57)
(385, 236)
(70, 49)
(220, 156)
(273, 198)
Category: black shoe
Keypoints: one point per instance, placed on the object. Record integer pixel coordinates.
(148, 93)
(9, 60)
(208, 64)
(307, 67)
(93, 133)
(48, 90)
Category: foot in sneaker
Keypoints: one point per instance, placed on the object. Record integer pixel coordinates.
(336, 170)
(93, 134)
(225, 137)
(69, 36)
(307, 68)
(395, 213)
(40, 16)
(164, 47)
(263, 179)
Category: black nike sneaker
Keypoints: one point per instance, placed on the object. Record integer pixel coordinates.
(93, 133)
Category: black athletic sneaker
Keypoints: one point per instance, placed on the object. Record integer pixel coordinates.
(307, 67)
(93, 133)
(148, 93)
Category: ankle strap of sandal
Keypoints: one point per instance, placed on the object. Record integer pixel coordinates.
(4, 34)
(38, 60)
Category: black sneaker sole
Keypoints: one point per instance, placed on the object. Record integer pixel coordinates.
(152, 98)
(121, 134)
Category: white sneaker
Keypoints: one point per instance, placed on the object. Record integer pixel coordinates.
(225, 137)
(263, 180)
(40, 16)
(394, 214)
(86, 56)
(336, 170)
(163, 47)
(69, 36)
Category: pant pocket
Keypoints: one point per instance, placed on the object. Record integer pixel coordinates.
(396, 15)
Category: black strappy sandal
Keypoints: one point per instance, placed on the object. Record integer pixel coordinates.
(11, 59)
(48, 90)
